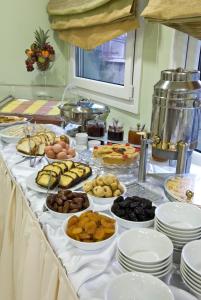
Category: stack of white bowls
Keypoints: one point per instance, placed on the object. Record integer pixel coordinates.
(190, 266)
(181, 222)
(134, 285)
(145, 250)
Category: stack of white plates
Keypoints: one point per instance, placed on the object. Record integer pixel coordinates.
(132, 286)
(145, 250)
(190, 266)
(181, 222)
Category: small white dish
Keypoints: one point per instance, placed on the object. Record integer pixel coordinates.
(104, 201)
(90, 246)
(64, 216)
(145, 245)
(190, 283)
(131, 224)
(137, 285)
(180, 216)
(190, 271)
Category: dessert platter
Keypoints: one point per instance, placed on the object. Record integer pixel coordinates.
(183, 188)
(13, 134)
(7, 120)
(116, 154)
(59, 175)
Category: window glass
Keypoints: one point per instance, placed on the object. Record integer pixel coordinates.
(105, 63)
(199, 138)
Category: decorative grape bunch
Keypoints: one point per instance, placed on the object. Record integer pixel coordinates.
(40, 52)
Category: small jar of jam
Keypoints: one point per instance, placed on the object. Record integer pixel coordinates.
(95, 128)
(135, 135)
(115, 132)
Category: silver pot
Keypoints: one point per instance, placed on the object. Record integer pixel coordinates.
(82, 111)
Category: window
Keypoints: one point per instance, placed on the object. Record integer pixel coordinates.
(110, 73)
(106, 63)
(199, 138)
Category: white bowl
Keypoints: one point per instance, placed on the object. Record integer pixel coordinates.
(103, 201)
(159, 274)
(190, 271)
(145, 245)
(154, 271)
(63, 216)
(196, 280)
(51, 160)
(135, 285)
(191, 256)
(181, 216)
(90, 246)
(190, 283)
(153, 268)
(177, 233)
(131, 224)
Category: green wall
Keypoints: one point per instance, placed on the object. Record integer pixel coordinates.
(16, 30)
(18, 21)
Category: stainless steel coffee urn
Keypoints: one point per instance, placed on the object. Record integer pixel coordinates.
(176, 116)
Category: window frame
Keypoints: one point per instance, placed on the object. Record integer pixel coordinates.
(122, 97)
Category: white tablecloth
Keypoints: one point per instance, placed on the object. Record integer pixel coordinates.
(89, 272)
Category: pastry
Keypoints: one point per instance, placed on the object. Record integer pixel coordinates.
(116, 153)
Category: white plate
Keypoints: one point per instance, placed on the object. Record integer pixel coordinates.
(7, 138)
(51, 160)
(30, 182)
(13, 123)
(180, 294)
(135, 285)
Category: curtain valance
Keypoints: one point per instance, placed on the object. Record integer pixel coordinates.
(183, 15)
(93, 22)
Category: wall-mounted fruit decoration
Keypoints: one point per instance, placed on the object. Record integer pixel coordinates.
(40, 52)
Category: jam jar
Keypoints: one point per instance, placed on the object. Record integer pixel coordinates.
(115, 133)
(135, 135)
(95, 128)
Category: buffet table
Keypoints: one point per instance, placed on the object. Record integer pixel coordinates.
(36, 260)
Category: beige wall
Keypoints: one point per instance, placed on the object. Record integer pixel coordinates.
(16, 31)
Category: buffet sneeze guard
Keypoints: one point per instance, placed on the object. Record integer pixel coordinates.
(176, 117)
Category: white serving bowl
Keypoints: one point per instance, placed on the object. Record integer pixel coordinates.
(182, 216)
(190, 271)
(177, 234)
(145, 245)
(103, 201)
(154, 268)
(90, 246)
(157, 274)
(195, 280)
(190, 283)
(191, 256)
(131, 224)
(137, 285)
(63, 216)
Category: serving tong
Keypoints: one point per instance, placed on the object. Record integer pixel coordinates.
(28, 132)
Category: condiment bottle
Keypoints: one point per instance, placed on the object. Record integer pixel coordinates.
(115, 131)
